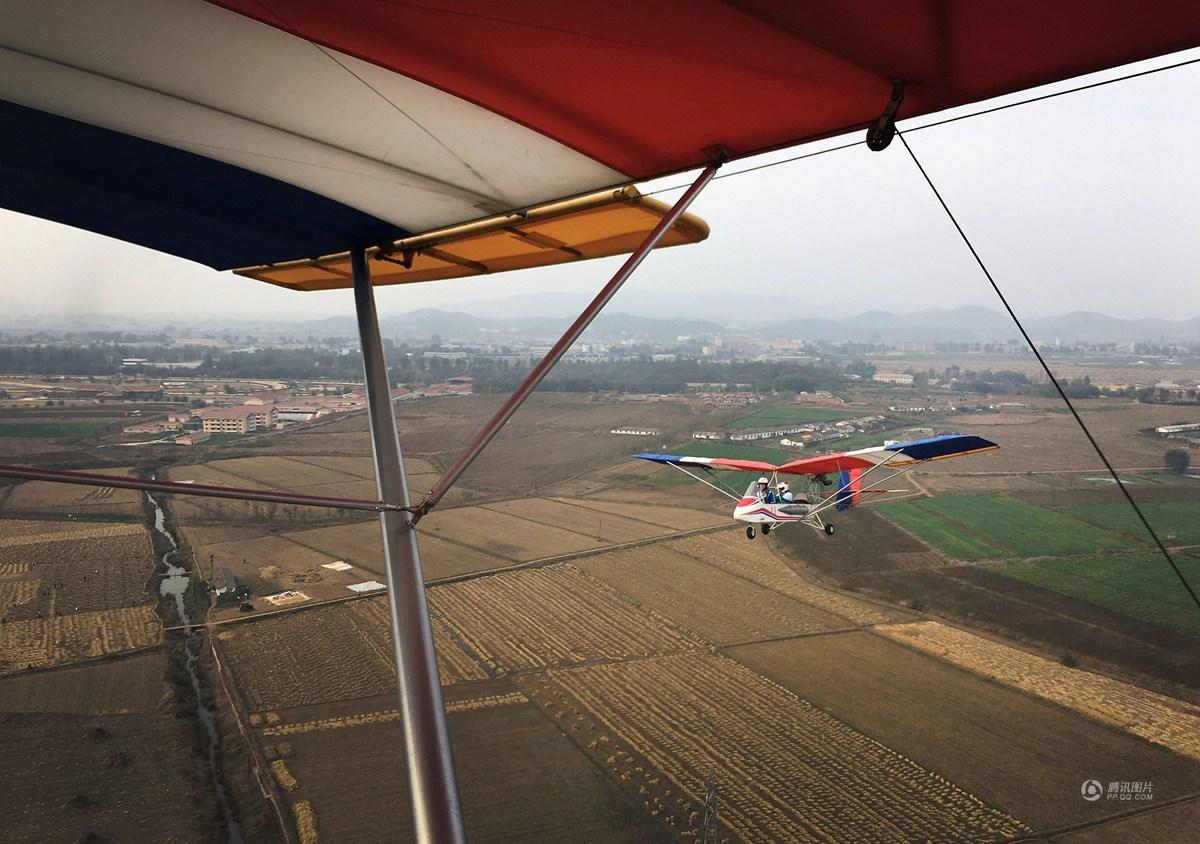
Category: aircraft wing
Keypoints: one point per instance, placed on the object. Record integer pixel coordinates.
(896, 454)
(728, 463)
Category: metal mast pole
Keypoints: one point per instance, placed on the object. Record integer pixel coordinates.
(437, 814)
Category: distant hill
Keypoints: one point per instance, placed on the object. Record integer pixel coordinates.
(658, 317)
(967, 324)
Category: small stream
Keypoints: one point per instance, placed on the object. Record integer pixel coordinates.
(175, 583)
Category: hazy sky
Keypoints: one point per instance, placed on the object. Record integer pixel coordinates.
(1087, 201)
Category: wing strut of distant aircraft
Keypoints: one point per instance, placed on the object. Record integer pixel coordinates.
(830, 481)
(316, 145)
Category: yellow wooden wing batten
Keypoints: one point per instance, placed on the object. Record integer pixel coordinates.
(612, 222)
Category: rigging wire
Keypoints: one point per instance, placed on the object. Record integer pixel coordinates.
(1057, 386)
(1054, 94)
(1041, 97)
(763, 166)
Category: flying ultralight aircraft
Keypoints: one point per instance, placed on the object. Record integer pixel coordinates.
(764, 502)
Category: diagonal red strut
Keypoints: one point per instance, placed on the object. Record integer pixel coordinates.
(565, 342)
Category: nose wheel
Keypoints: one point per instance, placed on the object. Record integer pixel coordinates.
(829, 530)
(750, 534)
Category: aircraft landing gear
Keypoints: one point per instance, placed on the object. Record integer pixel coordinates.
(750, 531)
(829, 530)
(766, 529)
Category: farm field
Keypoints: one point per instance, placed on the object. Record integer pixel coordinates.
(360, 544)
(41, 500)
(281, 472)
(552, 616)
(730, 552)
(788, 414)
(270, 563)
(786, 770)
(1025, 530)
(325, 654)
(16, 533)
(98, 568)
(1174, 823)
(42, 642)
(1046, 438)
(865, 542)
(1163, 720)
(588, 700)
(1176, 522)
(1142, 586)
(1099, 637)
(114, 687)
(717, 605)
(504, 535)
(951, 538)
(1014, 751)
(680, 514)
(453, 541)
(58, 429)
(606, 528)
(77, 778)
(520, 780)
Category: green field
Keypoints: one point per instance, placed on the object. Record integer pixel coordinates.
(1180, 519)
(944, 535)
(1025, 530)
(1141, 586)
(782, 414)
(48, 430)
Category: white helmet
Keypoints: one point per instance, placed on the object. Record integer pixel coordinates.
(763, 481)
(783, 485)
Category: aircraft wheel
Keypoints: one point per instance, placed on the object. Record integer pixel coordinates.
(750, 531)
(766, 529)
(829, 530)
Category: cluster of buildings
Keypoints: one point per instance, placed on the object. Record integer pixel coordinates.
(636, 432)
(101, 392)
(922, 408)
(1189, 432)
(899, 379)
(274, 409)
(722, 401)
(800, 436)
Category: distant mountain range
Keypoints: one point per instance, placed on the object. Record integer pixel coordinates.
(971, 324)
(640, 315)
(967, 324)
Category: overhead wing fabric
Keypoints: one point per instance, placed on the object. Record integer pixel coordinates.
(728, 463)
(241, 133)
(939, 448)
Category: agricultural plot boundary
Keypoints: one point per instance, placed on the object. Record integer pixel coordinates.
(789, 770)
(1139, 586)
(994, 519)
(543, 562)
(735, 557)
(1166, 721)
